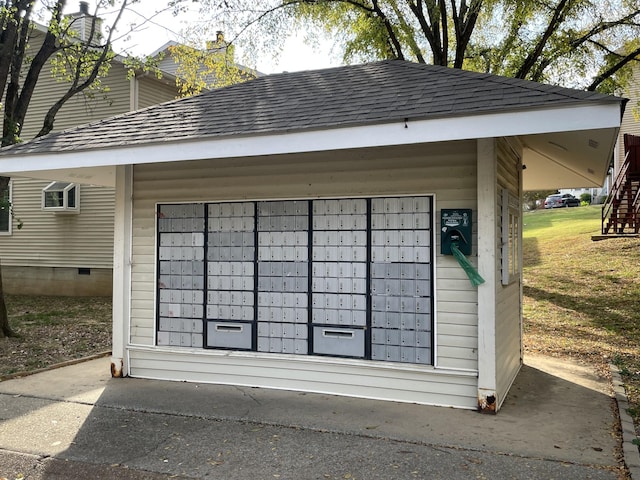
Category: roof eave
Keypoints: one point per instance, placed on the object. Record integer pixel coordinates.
(585, 116)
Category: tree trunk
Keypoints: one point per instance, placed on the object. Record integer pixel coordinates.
(5, 328)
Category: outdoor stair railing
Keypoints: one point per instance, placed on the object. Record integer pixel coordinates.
(621, 210)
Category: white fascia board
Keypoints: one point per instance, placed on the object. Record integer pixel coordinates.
(525, 122)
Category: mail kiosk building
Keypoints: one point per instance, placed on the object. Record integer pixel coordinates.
(298, 231)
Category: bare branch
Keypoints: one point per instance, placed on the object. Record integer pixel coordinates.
(603, 27)
(609, 72)
(556, 19)
(429, 33)
(393, 38)
(77, 86)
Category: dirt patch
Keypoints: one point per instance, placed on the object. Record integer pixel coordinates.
(51, 330)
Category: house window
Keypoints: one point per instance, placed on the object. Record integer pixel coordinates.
(510, 237)
(61, 197)
(349, 277)
(5, 212)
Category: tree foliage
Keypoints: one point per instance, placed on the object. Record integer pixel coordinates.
(200, 69)
(78, 54)
(25, 49)
(579, 43)
(77, 58)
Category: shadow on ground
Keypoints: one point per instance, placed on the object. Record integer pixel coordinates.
(556, 422)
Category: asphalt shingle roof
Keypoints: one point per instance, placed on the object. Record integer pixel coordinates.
(372, 93)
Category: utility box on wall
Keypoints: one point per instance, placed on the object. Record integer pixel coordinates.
(456, 227)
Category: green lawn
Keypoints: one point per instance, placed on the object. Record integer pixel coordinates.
(582, 298)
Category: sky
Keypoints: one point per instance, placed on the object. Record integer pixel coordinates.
(165, 27)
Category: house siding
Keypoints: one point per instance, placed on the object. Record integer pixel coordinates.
(53, 239)
(168, 64)
(44, 256)
(508, 297)
(151, 91)
(630, 123)
(79, 109)
(446, 171)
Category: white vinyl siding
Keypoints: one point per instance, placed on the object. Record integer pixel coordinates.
(85, 240)
(55, 239)
(508, 304)
(152, 91)
(85, 107)
(356, 378)
(630, 120)
(447, 171)
(168, 64)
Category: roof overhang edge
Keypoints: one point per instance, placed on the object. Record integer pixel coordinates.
(527, 122)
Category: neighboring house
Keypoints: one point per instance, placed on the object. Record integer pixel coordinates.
(296, 231)
(621, 206)
(630, 123)
(201, 70)
(597, 194)
(60, 250)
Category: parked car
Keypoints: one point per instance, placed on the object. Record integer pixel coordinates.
(558, 201)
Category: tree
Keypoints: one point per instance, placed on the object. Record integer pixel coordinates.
(212, 67)
(577, 43)
(80, 63)
(532, 197)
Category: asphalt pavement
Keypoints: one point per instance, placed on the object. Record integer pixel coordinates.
(558, 422)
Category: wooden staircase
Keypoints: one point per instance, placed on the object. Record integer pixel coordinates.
(621, 210)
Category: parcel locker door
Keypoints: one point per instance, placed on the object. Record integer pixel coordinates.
(236, 336)
(343, 342)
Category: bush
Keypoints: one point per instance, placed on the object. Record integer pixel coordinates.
(585, 198)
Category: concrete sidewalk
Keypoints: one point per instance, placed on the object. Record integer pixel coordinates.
(77, 422)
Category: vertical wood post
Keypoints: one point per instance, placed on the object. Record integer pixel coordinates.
(121, 269)
(487, 258)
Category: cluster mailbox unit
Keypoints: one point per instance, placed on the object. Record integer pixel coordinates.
(339, 277)
(285, 233)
